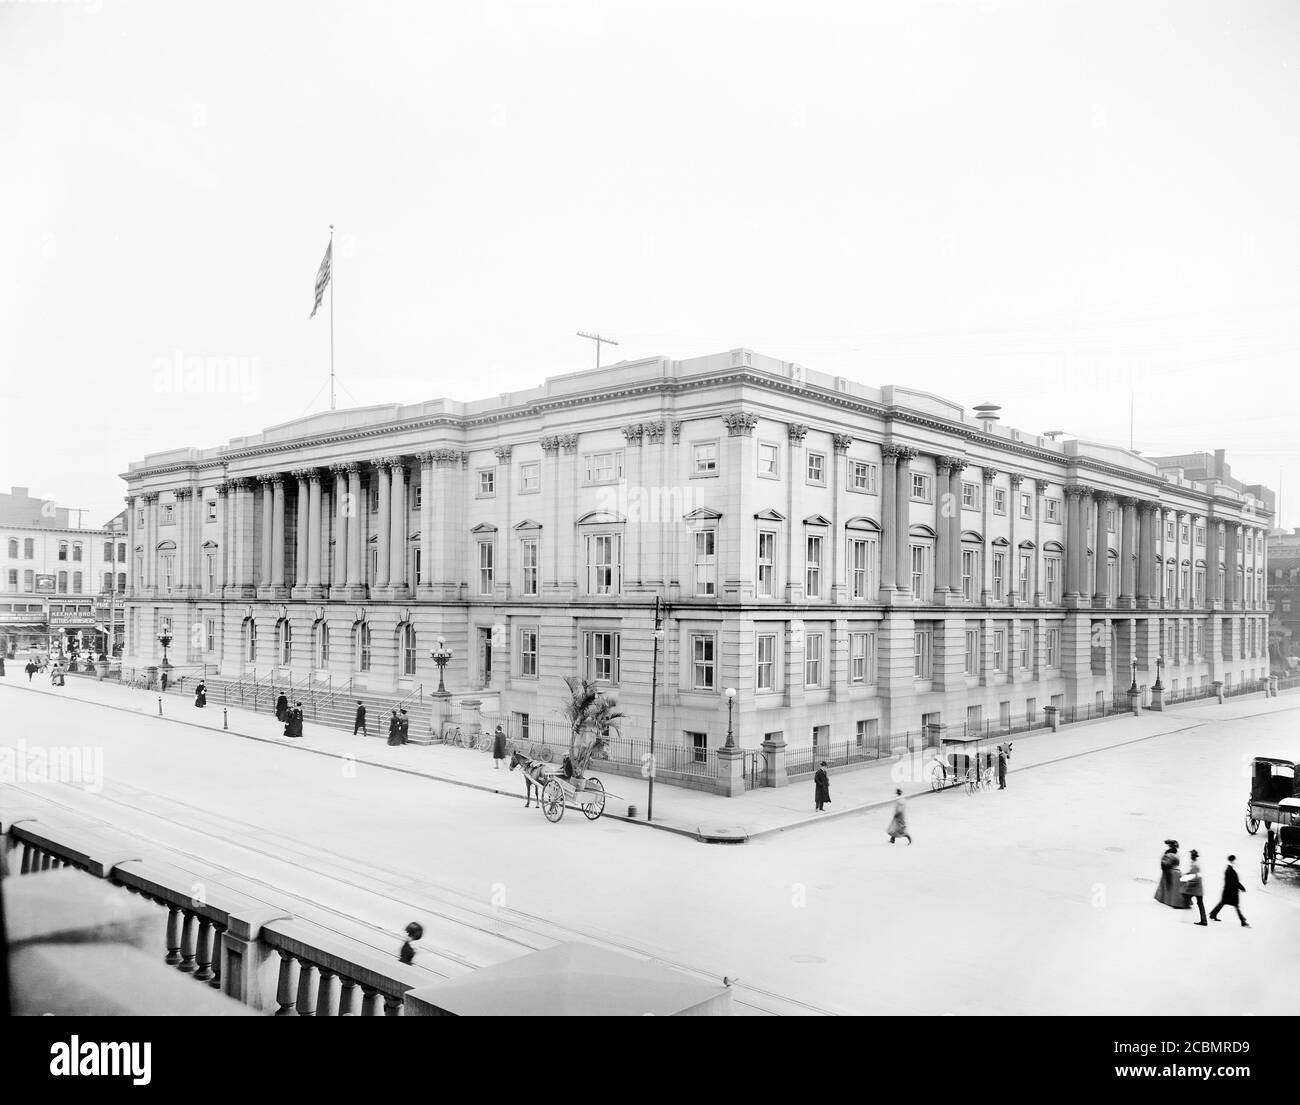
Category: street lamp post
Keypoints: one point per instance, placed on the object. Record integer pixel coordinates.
(1158, 686)
(164, 639)
(658, 636)
(442, 657)
(1134, 662)
(731, 701)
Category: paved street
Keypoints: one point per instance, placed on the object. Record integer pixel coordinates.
(1032, 900)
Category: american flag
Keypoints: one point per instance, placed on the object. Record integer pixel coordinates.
(323, 277)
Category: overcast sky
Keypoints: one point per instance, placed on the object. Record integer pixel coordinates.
(1046, 205)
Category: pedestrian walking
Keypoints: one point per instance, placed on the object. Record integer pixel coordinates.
(394, 730)
(164, 682)
(31, 670)
(414, 931)
(821, 787)
(359, 725)
(296, 719)
(2, 667)
(898, 823)
(1232, 889)
(200, 695)
(1169, 890)
(1193, 889)
(404, 726)
(1003, 756)
(282, 707)
(498, 747)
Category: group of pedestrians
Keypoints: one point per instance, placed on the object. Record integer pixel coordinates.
(822, 797)
(290, 716)
(399, 728)
(1178, 889)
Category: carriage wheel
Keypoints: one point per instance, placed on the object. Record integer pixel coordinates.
(596, 795)
(1263, 870)
(545, 754)
(1252, 825)
(936, 778)
(971, 781)
(553, 801)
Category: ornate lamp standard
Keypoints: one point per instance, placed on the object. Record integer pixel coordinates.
(1133, 661)
(442, 657)
(1157, 685)
(731, 701)
(164, 639)
(658, 635)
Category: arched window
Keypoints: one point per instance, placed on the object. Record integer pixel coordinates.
(408, 650)
(284, 641)
(361, 647)
(76, 583)
(76, 550)
(121, 552)
(250, 640)
(108, 581)
(13, 549)
(862, 562)
(121, 583)
(63, 583)
(108, 552)
(63, 550)
(320, 644)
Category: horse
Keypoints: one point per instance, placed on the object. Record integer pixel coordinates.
(533, 771)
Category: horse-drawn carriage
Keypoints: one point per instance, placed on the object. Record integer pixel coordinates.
(1275, 801)
(565, 785)
(963, 761)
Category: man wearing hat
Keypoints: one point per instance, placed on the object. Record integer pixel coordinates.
(822, 783)
(1232, 888)
(359, 725)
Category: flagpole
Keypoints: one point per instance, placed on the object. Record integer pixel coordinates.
(331, 316)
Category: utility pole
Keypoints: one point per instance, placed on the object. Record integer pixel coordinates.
(597, 339)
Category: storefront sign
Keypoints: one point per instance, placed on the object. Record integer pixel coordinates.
(45, 584)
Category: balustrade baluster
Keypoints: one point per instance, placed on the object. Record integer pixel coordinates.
(29, 854)
(287, 985)
(348, 998)
(392, 1006)
(327, 994)
(204, 950)
(187, 943)
(306, 990)
(46, 860)
(173, 936)
(218, 946)
(370, 1003)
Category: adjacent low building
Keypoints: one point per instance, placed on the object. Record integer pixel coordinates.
(1284, 595)
(852, 561)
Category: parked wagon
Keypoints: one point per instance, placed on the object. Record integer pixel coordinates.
(963, 761)
(1271, 781)
(558, 787)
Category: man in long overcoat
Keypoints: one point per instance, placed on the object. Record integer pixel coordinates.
(359, 725)
(282, 707)
(1232, 889)
(1002, 767)
(822, 786)
(394, 730)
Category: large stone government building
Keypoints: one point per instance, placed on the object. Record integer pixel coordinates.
(853, 561)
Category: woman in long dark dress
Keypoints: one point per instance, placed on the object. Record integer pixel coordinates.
(394, 730)
(498, 747)
(1170, 891)
(898, 823)
(200, 695)
(282, 708)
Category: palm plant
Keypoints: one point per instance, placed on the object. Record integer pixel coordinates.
(591, 714)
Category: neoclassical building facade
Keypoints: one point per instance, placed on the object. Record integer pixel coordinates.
(853, 561)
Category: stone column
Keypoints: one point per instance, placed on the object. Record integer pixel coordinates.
(888, 522)
(268, 528)
(987, 476)
(902, 528)
(315, 589)
(942, 528)
(839, 546)
(399, 513)
(277, 538)
(1232, 559)
(1075, 549)
(356, 566)
(426, 524)
(1127, 540)
(1101, 545)
(794, 573)
(339, 577)
(956, 467)
(243, 546)
(1040, 487)
(548, 570)
(1012, 582)
(302, 533)
(225, 557)
(1146, 555)
(184, 578)
(384, 524)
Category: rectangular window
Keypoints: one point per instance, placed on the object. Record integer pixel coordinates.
(972, 652)
(1110, 519)
(1053, 510)
(169, 512)
(13, 579)
(814, 644)
(528, 653)
(866, 733)
(29, 580)
(699, 746)
(702, 649)
(969, 574)
(922, 640)
(604, 467)
(210, 634)
(765, 664)
(486, 567)
(1183, 531)
(1200, 535)
(921, 571)
(374, 500)
(29, 547)
(706, 458)
(417, 496)
(1026, 648)
(862, 476)
(999, 501)
(769, 460)
(920, 487)
(857, 657)
(530, 476)
(813, 586)
(604, 564)
(212, 510)
(210, 570)
(766, 563)
(970, 496)
(1169, 532)
(1053, 647)
(487, 481)
(816, 468)
(1026, 505)
(602, 656)
(862, 567)
(999, 574)
(1052, 577)
(529, 562)
(706, 563)
(999, 649)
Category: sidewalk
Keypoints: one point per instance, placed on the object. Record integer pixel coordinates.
(697, 814)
